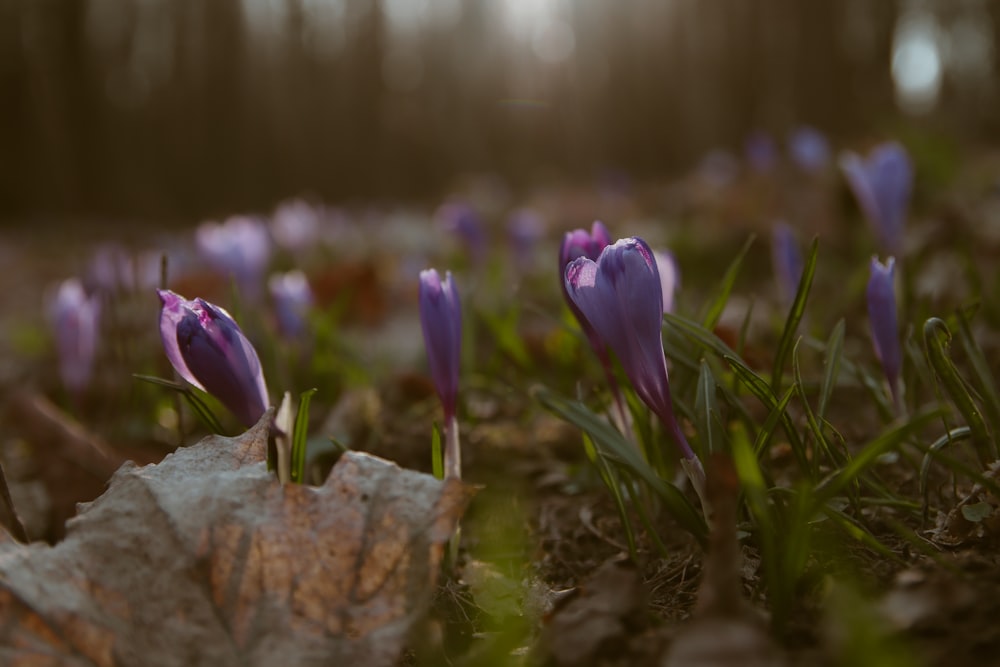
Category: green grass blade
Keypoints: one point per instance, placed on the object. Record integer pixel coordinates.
(437, 452)
(197, 405)
(815, 426)
(760, 389)
(982, 374)
(766, 430)
(831, 364)
(954, 435)
(706, 408)
(840, 480)
(612, 445)
(937, 339)
(795, 313)
(299, 437)
(716, 306)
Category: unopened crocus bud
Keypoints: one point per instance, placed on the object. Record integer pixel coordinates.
(292, 298)
(787, 260)
(441, 320)
(808, 149)
(206, 347)
(881, 297)
(581, 243)
(882, 184)
(239, 247)
(670, 277)
(761, 152)
(622, 298)
(75, 319)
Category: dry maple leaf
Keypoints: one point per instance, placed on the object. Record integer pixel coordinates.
(205, 559)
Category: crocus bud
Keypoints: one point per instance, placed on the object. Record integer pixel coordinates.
(881, 298)
(670, 277)
(462, 220)
(761, 152)
(787, 260)
(882, 185)
(75, 319)
(292, 299)
(239, 247)
(808, 149)
(580, 243)
(206, 347)
(295, 225)
(441, 320)
(621, 296)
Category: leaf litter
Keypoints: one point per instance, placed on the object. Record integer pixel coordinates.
(205, 558)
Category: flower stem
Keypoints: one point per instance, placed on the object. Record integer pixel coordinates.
(452, 449)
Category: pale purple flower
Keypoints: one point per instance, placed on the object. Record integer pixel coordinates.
(207, 348)
(75, 319)
(881, 297)
(524, 229)
(621, 296)
(786, 256)
(239, 247)
(461, 219)
(441, 321)
(882, 184)
(670, 277)
(809, 149)
(295, 225)
(292, 298)
(718, 169)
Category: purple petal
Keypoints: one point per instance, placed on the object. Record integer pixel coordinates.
(75, 322)
(208, 349)
(441, 322)
(882, 185)
(787, 259)
(881, 297)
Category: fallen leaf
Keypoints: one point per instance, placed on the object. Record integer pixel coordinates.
(205, 559)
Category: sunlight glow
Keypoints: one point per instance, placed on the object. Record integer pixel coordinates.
(916, 63)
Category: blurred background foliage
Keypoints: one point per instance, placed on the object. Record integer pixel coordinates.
(173, 109)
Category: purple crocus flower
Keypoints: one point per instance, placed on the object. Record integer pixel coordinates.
(808, 149)
(206, 347)
(292, 299)
(462, 220)
(75, 320)
(787, 260)
(761, 152)
(441, 321)
(240, 247)
(580, 243)
(622, 298)
(295, 225)
(882, 184)
(881, 297)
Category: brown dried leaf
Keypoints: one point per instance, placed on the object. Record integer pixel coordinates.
(205, 559)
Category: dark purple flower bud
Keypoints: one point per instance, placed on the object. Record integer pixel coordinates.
(882, 184)
(240, 247)
(621, 296)
(579, 243)
(75, 320)
(761, 152)
(206, 347)
(809, 149)
(292, 300)
(882, 319)
(787, 259)
(441, 320)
